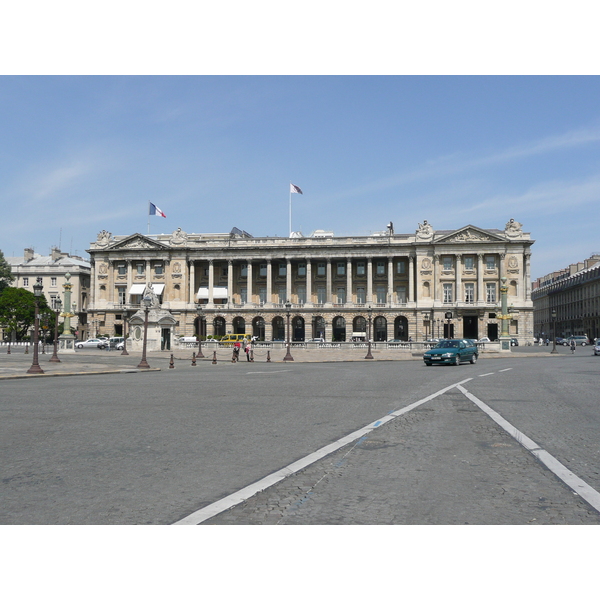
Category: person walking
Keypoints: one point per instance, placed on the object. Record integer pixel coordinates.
(573, 346)
(247, 351)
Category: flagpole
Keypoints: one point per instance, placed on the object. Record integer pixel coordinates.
(290, 209)
(148, 217)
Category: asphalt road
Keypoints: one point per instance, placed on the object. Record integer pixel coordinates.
(155, 448)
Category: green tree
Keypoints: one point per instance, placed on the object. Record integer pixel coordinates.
(5, 274)
(17, 311)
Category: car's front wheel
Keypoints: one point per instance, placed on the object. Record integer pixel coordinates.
(427, 364)
(457, 360)
(583, 344)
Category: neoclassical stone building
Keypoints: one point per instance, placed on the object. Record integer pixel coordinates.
(415, 285)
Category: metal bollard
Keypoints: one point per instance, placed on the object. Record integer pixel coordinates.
(171, 363)
(214, 360)
(251, 354)
(193, 359)
(268, 356)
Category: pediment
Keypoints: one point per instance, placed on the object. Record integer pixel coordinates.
(137, 241)
(470, 234)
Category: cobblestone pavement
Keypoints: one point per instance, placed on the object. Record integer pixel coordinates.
(445, 462)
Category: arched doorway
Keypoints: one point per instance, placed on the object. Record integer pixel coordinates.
(298, 329)
(380, 329)
(239, 325)
(278, 329)
(258, 328)
(401, 329)
(218, 327)
(339, 329)
(319, 327)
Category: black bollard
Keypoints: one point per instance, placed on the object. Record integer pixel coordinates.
(268, 356)
(171, 363)
(214, 360)
(193, 359)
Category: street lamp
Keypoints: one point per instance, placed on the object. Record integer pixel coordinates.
(288, 306)
(125, 335)
(147, 301)
(199, 311)
(35, 365)
(448, 316)
(57, 306)
(554, 350)
(370, 313)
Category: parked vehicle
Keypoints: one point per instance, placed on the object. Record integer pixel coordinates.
(231, 338)
(559, 340)
(112, 342)
(451, 352)
(91, 343)
(514, 342)
(597, 347)
(484, 339)
(580, 340)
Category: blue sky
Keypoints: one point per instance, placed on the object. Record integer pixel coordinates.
(79, 154)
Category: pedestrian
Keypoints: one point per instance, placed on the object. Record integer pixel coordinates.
(573, 345)
(247, 351)
(236, 351)
(541, 341)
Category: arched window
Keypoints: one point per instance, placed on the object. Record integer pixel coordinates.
(380, 329)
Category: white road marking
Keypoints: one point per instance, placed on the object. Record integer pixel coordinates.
(232, 500)
(588, 493)
(486, 374)
(266, 372)
(502, 370)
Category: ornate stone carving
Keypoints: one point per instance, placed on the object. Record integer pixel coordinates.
(426, 263)
(425, 231)
(468, 236)
(513, 229)
(103, 238)
(178, 237)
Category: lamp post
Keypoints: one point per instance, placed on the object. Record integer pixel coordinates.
(57, 306)
(146, 302)
(288, 307)
(199, 311)
(125, 334)
(370, 313)
(448, 316)
(554, 350)
(35, 365)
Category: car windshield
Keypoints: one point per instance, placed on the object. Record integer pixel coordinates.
(448, 344)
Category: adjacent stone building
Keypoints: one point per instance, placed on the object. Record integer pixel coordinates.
(573, 293)
(411, 285)
(52, 269)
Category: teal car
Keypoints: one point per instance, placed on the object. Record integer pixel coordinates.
(451, 352)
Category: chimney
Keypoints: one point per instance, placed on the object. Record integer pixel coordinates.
(28, 254)
(56, 253)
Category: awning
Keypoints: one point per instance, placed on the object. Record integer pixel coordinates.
(138, 288)
(218, 293)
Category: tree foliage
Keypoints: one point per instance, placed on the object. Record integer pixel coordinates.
(5, 274)
(17, 310)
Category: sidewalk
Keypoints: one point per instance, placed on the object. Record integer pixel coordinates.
(92, 361)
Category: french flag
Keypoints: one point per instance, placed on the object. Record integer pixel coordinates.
(154, 210)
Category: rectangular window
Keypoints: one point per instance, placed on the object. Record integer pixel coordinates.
(262, 270)
(302, 270)
(469, 263)
(448, 296)
(301, 294)
(490, 262)
(25, 281)
(281, 294)
(320, 268)
(122, 294)
(469, 292)
(159, 269)
(381, 292)
(244, 271)
(140, 268)
(401, 293)
(361, 296)
(447, 263)
(490, 292)
(52, 281)
(321, 295)
(380, 267)
(401, 267)
(224, 271)
(341, 268)
(341, 295)
(53, 302)
(282, 269)
(360, 268)
(262, 294)
(122, 269)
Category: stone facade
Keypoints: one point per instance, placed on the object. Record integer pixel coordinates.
(420, 285)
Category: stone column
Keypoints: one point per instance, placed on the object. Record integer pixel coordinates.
(436, 275)
(309, 299)
(211, 282)
(527, 276)
(480, 290)
(192, 279)
(129, 281)
(349, 297)
(369, 280)
(329, 298)
(249, 282)
(390, 292)
(411, 278)
(229, 281)
(269, 287)
(288, 280)
(458, 278)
